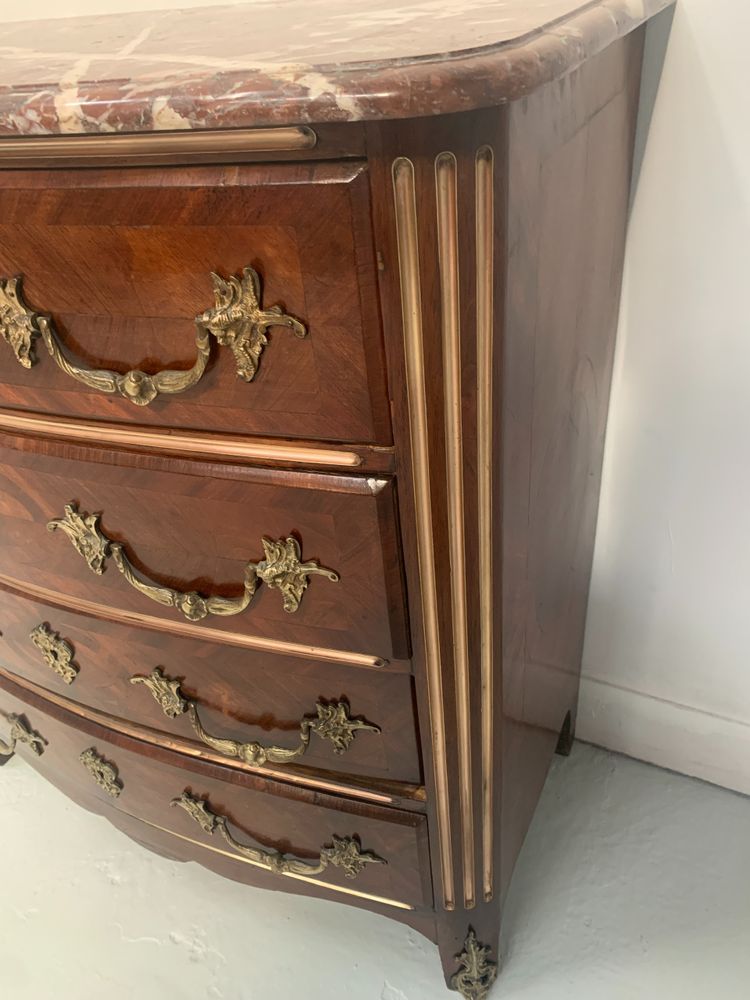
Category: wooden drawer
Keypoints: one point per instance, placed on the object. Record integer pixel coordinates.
(122, 261)
(199, 528)
(240, 695)
(263, 815)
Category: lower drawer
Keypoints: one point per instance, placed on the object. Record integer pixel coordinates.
(245, 826)
(241, 697)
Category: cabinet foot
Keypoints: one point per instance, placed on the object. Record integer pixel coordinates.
(565, 740)
(477, 973)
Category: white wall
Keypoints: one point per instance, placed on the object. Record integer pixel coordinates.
(667, 656)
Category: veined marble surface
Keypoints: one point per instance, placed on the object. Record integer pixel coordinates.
(293, 61)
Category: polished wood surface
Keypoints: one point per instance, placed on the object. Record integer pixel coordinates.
(242, 694)
(569, 184)
(561, 187)
(195, 526)
(122, 260)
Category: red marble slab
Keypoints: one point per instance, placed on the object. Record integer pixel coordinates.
(281, 62)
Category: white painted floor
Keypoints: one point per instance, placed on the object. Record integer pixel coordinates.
(634, 883)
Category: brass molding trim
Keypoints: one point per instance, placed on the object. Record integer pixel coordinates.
(236, 320)
(21, 733)
(412, 793)
(194, 443)
(345, 890)
(280, 569)
(188, 145)
(331, 723)
(477, 973)
(343, 852)
(485, 273)
(56, 652)
(106, 613)
(102, 771)
(411, 310)
(447, 230)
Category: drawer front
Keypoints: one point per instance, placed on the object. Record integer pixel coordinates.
(260, 703)
(122, 262)
(332, 842)
(181, 546)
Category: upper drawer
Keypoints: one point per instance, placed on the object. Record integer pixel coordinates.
(122, 260)
(259, 558)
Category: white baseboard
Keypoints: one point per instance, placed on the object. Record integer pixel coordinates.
(677, 737)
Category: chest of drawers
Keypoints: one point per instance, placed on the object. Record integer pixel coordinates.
(301, 429)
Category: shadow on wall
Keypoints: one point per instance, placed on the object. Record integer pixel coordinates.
(654, 52)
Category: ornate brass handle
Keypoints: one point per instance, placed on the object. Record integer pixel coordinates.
(281, 569)
(331, 723)
(21, 733)
(236, 321)
(344, 852)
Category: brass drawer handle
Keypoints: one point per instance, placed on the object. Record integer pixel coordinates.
(21, 733)
(237, 321)
(332, 723)
(281, 569)
(58, 654)
(103, 772)
(344, 852)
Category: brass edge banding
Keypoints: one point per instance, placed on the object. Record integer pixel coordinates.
(411, 309)
(185, 628)
(178, 441)
(248, 861)
(447, 231)
(188, 749)
(257, 140)
(484, 176)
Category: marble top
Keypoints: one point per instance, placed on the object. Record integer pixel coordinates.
(293, 61)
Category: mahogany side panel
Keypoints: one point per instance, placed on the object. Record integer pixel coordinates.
(562, 162)
(570, 156)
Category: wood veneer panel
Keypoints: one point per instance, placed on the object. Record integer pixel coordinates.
(263, 813)
(194, 526)
(242, 694)
(121, 259)
(570, 156)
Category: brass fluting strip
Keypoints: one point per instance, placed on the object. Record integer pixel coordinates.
(447, 230)
(258, 140)
(247, 861)
(485, 211)
(411, 308)
(193, 443)
(186, 628)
